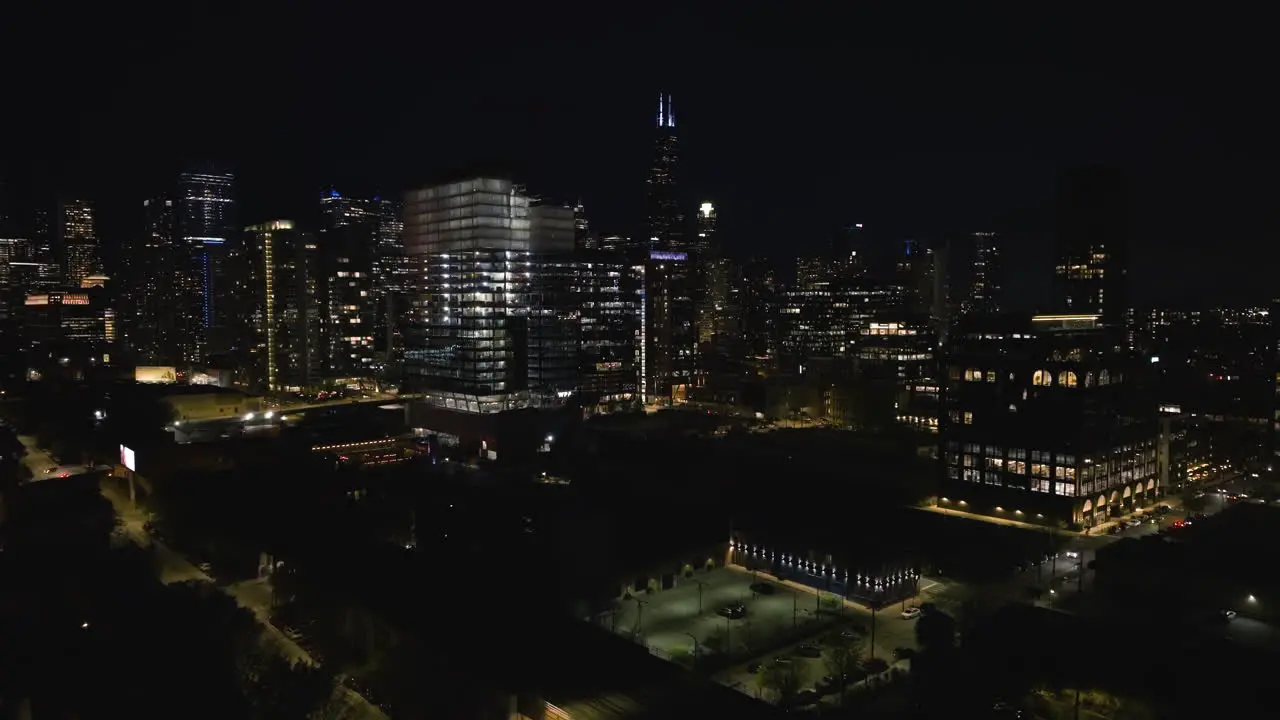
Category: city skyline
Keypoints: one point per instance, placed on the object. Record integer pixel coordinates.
(974, 146)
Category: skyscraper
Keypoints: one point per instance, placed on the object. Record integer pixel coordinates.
(206, 221)
(284, 310)
(484, 338)
(705, 242)
(393, 279)
(348, 244)
(666, 213)
(77, 240)
(582, 237)
(1093, 239)
(154, 324)
(986, 282)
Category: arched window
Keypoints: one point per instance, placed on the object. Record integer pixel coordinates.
(1104, 378)
(973, 375)
(1067, 378)
(1043, 378)
(1088, 379)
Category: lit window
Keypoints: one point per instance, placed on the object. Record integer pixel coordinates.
(1104, 378)
(991, 376)
(1042, 378)
(1067, 378)
(1088, 379)
(968, 418)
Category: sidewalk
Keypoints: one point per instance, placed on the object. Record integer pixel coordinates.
(996, 520)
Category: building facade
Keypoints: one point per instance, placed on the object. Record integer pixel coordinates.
(206, 221)
(494, 327)
(77, 240)
(1044, 421)
(285, 314)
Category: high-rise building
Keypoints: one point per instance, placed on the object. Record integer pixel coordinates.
(610, 301)
(493, 315)
(670, 283)
(1093, 241)
(155, 324)
(206, 221)
(284, 308)
(77, 240)
(666, 211)
(393, 280)
(348, 246)
(986, 281)
(583, 240)
(705, 242)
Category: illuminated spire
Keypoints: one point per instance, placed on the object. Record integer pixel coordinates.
(666, 113)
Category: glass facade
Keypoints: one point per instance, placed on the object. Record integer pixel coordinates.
(207, 230)
(493, 324)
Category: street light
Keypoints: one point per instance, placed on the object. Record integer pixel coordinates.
(695, 649)
(701, 585)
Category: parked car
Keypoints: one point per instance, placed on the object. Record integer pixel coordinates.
(1228, 614)
(733, 612)
(911, 613)
(808, 650)
(763, 588)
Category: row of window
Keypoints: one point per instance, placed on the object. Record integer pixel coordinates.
(1039, 378)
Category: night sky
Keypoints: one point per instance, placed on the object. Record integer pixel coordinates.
(793, 124)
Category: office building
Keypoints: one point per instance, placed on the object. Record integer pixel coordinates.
(823, 312)
(77, 240)
(67, 332)
(1091, 270)
(493, 315)
(206, 222)
(610, 301)
(393, 281)
(666, 211)
(583, 240)
(898, 355)
(153, 277)
(986, 275)
(1044, 421)
(285, 313)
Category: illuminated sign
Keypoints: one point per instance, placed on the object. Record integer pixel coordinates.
(128, 459)
(676, 256)
(707, 209)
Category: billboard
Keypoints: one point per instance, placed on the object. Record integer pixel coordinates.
(154, 374)
(128, 459)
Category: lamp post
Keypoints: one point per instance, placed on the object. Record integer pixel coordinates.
(695, 649)
(701, 585)
(639, 614)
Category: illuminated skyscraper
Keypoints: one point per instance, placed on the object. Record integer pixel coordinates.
(493, 326)
(666, 214)
(284, 311)
(348, 245)
(77, 240)
(206, 233)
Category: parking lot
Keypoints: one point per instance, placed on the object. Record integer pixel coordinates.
(775, 624)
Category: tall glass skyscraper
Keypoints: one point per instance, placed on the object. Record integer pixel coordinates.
(492, 328)
(207, 231)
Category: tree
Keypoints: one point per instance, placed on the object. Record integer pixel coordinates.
(842, 658)
(782, 680)
(280, 689)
